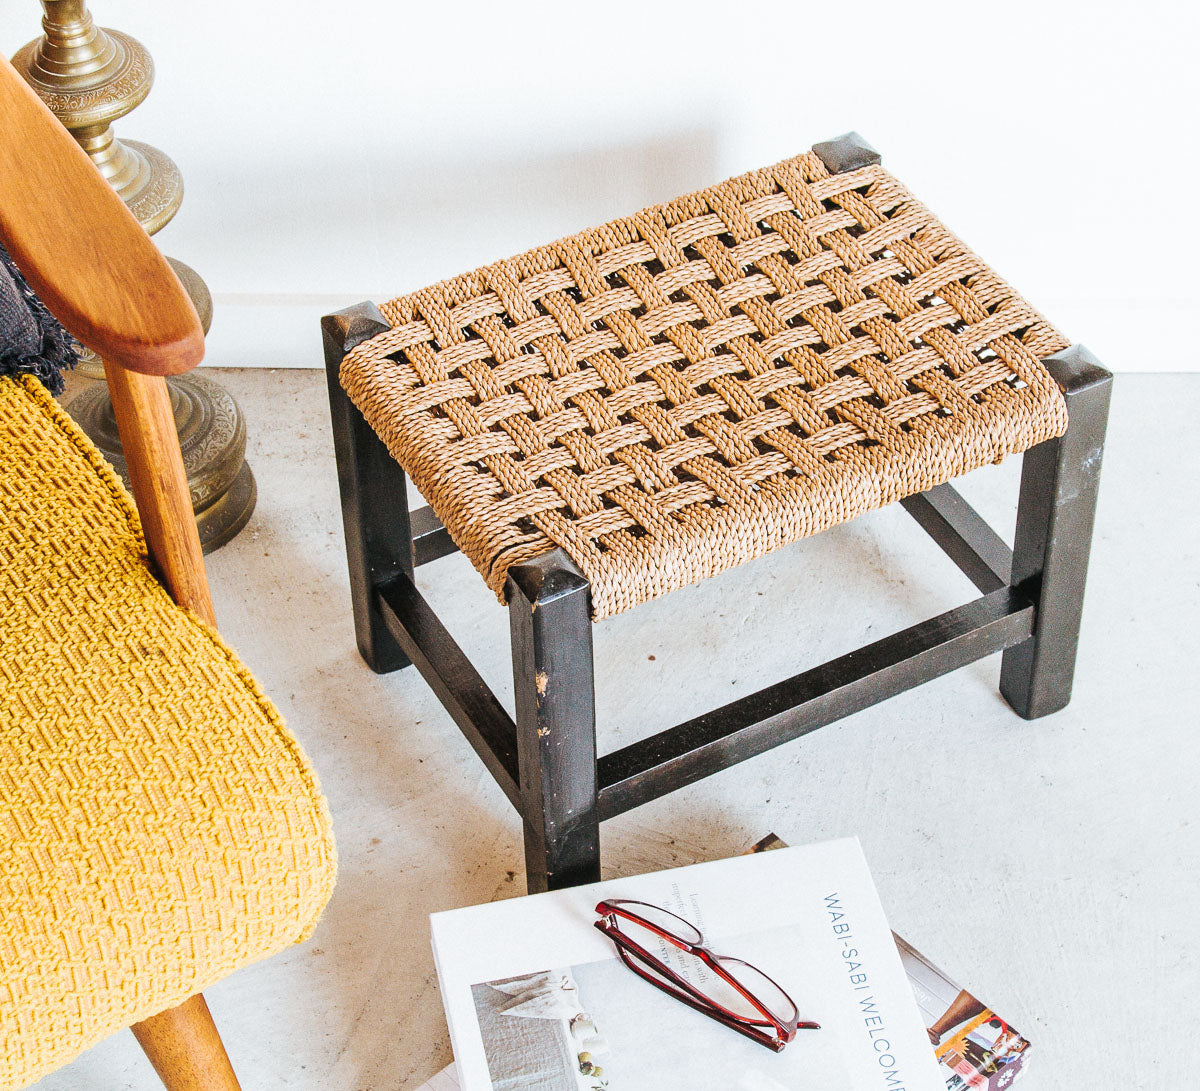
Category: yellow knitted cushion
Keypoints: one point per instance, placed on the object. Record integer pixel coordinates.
(159, 827)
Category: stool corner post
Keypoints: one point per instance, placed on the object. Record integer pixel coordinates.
(549, 576)
(1056, 516)
(846, 153)
(373, 491)
(348, 328)
(550, 621)
(1077, 371)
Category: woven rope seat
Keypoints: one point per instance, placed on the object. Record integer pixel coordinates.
(674, 393)
(160, 826)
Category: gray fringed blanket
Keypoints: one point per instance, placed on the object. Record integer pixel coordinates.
(31, 340)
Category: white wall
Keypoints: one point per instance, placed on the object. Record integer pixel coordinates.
(339, 151)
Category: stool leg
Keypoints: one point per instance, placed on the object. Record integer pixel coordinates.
(549, 616)
(373, 490)
(1055, 518)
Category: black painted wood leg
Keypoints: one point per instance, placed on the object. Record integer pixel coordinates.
(373, 490)
(549, 616)
(1055, 517)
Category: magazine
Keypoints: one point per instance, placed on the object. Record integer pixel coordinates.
(537, 998)
(974, 1046)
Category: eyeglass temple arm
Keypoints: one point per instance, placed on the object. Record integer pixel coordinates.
(687, 994)
(775, 1044)
(620, 939)
(698, 951)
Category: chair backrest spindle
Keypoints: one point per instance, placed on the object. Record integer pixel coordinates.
(150, 443)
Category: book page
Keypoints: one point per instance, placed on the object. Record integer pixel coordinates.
(446, 1080)
(537, 998)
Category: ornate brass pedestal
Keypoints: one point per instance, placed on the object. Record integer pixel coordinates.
(89, 77)
(212, 435)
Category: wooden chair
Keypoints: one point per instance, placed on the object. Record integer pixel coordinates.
(158, 825)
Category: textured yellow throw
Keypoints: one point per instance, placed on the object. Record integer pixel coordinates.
(159, 827)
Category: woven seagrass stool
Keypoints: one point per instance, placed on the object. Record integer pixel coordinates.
(629, 410)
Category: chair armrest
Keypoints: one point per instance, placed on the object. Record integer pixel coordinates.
(81, 249)
(100, 275)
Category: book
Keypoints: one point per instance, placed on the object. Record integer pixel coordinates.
(973, 1045)
(446, 1080)
(537, 998)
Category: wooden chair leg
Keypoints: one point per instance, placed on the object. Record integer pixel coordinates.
(183, 1045)
(549, 618)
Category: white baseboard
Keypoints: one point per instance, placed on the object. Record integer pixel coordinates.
(284, 331)
(270, 330)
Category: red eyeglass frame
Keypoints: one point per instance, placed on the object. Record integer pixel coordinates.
(785, 1030)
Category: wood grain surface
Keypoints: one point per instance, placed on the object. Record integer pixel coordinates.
(80, 247)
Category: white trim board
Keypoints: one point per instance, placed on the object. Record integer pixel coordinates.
(284, 330)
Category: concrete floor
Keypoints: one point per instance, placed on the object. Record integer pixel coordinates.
(1051, 865)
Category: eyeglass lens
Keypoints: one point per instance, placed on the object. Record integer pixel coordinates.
(663, 920)
(764, 990)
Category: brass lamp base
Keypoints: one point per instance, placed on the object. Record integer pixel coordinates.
(211, 427)
(90, 77)
(212, 435)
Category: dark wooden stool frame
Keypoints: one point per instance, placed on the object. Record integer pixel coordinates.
(546, 762)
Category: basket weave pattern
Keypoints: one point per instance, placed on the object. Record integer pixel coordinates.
(675, 393)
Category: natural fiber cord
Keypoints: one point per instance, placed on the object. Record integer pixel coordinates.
(159, 827)
(672, 394)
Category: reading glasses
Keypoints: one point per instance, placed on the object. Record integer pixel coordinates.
(729, 990)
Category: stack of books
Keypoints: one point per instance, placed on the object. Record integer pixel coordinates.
(537, 998)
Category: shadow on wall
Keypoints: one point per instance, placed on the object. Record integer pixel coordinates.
(382, 223)
(514, 204)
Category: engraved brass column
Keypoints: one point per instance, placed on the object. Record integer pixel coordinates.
(90, 76)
